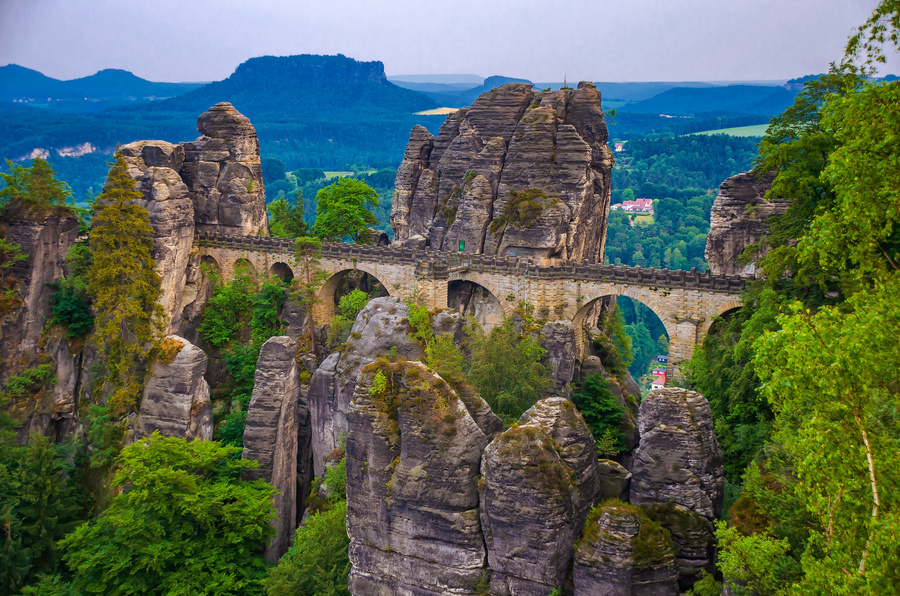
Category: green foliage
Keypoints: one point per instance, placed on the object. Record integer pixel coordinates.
(349, 306)
(37, 507)
(602, 413)
(341, 211)
(522, 209)
(613, 345)
(505, 368)
(286, 217)
(755, 565)
(883, 27)
(70, 301)
(126, 288)
(187, 524)
(317, 564)
(29, 381)
(33, 192)
(707, 586)
(227, 312)
(105, 431)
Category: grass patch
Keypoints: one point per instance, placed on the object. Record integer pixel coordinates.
(756, 130)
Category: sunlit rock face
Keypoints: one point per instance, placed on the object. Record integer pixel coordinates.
(520, 172)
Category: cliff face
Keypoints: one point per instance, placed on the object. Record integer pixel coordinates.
(520, 171)
(738, 219)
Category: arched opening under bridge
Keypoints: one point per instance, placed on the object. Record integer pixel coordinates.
(472, 299)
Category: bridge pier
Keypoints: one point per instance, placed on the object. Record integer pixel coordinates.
(681, 347)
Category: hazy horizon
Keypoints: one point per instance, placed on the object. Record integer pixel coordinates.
(641, 41)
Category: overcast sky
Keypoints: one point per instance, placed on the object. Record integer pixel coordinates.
(599, 40)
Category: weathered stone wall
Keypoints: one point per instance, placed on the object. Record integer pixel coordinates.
(686, 302)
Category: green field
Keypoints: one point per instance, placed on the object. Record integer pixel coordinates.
(757, 130)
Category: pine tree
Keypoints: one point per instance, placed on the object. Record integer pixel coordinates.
(125, 285)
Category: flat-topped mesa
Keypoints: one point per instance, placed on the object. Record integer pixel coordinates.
(519, 173)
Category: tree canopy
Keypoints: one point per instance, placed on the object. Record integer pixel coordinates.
(343, 210)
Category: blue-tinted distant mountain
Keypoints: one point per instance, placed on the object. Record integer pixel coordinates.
(466, 80)
(641, 91)
(731, 99)
(106, 88)
(459, 98)
(299, 88)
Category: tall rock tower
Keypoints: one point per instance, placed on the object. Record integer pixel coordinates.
(519, 173)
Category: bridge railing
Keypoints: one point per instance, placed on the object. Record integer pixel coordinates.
(440, 263)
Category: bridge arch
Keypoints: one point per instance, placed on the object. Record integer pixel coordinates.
(243, 266)
(720, 311)
(324, 309)
(471, 298)
(282, 271)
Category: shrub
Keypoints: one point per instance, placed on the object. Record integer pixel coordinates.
(602, 413)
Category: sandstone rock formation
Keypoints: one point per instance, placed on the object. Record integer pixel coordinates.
(223, 173)
(413, 455)
(738, 219)
(692, 538)
(274, 418)
(615, 481)
(624, 553)
(45, 244)
(540, 480)
(176, 396)
(558, 338)
(678, 459)
(154, 165)
(212, 184)
(520, 171)
(379, 327)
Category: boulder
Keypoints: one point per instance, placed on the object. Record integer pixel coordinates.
(678, 460)
(413, 455)
(515, 150)
(624, 553)
(615, 480)
(274, 418)
(223, 173)
(540, 479)
(176, 396)
(740, 217)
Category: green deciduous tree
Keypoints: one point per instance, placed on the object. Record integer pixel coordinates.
(342, 210)
(186, 525)
(125, 286)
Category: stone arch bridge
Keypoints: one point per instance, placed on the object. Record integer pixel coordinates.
(686, 302)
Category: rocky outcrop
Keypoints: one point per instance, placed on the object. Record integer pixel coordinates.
(558, 338)
(678, 460)
(154, 165)
(45, 244)
(624, 553)
(739, 218)
(540, 480)
(274, 418)
(381, 328)
(692, 538)
(519, 172)
(223, 173)
(413, 456)
(615, 480)
(176, 396)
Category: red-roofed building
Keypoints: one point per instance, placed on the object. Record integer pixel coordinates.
(658, 382)
(636, 206)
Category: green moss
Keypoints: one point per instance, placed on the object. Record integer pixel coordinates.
(653, 543)
(523, 208)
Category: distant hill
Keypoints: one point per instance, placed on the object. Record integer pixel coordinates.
(299, 88)
(99, 91)
(730, 99)
(455, 97)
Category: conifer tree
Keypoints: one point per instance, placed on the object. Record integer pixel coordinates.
(125, 285)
